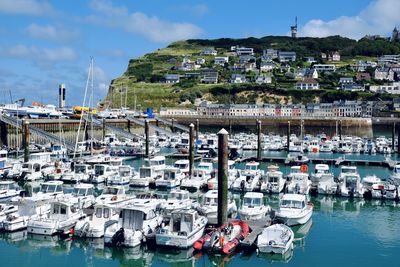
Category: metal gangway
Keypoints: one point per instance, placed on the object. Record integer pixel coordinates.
(155, 128)
(170, 123)
(116, 130)
(36, 131)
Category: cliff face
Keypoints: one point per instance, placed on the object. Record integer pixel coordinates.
(145, 84)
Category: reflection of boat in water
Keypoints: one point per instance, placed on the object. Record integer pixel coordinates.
(13, 237)
(137, 256)
(301, 232)
(181, 256)
(55, 243)
(277, 257)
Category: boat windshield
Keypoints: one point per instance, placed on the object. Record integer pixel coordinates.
(293, 204)
(124, 172)
(99, 170)
(203, 167)
(111, 191)
(169, 175)
(81, 192)
(80, 169)
(178, 196)
(273, 179)
(248, 201)
(6, 186)
(180, 166)
(145, 172)
(351, 181)
(251, 167)
(346, 170)
(56, 148)
(50, 188)
(210, 201)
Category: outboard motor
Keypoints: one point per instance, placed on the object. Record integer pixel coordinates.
(118, 238)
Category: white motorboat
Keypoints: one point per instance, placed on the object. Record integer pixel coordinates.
(177, 199)
(209, 207)
(277, 238)
(135, 223)
(145, 176)
(123, 177)
(233, 174)
(253, 207)
(81, 173)
(182, 164)
(272, 181)
(185, 227)
(113, 195)
(62, 218)
(6, 210)
(171, 178)
(395, 176)
(198, 180)
(49, 190)
(369, 181)
(101, 173)
(297, 181)
(83, 195)
(28, 209)
(351, 185)
(294, 209)
(347, 170)
(320, 170)
(93, 226)
(249, 178)
(8, 190)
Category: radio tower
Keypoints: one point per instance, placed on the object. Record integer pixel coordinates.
(293, 29)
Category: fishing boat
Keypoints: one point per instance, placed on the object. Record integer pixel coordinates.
(223, 239)
(395, 176)
(83, 195)
(62, 218)
(248, 179)
(182, 164)
(171, 178)
(145, 176)
(102, 172)
(272, 181)
(294, 209)
(6, 210)
(50, 190)
(8, 190)
(28, 209)
(298, 181)
(123, 177)
(93, 226)
(277, 239)
(81, 173)
(112, 195)
(178, 199)
(209, 207)
(134, 225)
(186, 226)
(350, 185)
(253, 207)
(200, 177)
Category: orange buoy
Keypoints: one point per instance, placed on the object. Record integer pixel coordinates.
(304, 168)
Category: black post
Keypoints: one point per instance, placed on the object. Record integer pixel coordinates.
(172, 125)
(222, 177)
(197, 129)
(191, 149)
(104, 128)
(129, 125)
(393, 135)
(288, 135)
(146, 132)
(259, 140)
(25, 140)
(340, 130)
(3, 133)
(398, 139)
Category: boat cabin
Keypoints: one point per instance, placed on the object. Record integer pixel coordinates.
(3, 158)
(51, 187)
(43, 157)
(101, 169)
(182, 221)
(82, 168)
(182, 164)
(253, 199)
(179, 195)
(133, 217)
(293, 201)
(156, 163)
(114, 190)
(322, 168)
(82, 190)
(349, 170)
(9, 185)
(125, 171)
(206, 166)
(211, 198)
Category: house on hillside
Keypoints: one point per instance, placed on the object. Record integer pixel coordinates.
(307, 84)
(238, 78)
(287, 56)
(171, 78)
(263, 79)
(209, 51)
(209, 76)
(267, 66)
(221, 61)
(384, 74)
(363, 76)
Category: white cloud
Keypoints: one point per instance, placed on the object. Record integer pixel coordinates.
(25, 7)
(38, 54)
(379, 17)
(151, 27)
(50, 32)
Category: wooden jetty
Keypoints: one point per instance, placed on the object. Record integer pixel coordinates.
(256, 227)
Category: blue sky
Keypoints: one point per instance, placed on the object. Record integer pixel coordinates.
(44, 43)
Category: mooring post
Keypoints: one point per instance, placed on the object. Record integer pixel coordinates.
(157, 123)
(393, 135)
(3, 133)
(398, 139)
(340, 130)
(25, 140)
(191, 149)
(197, 129)
(146, 132)
(104, 129)
(259, 140)
(222, 176)
(172, 125)
(129, 125)
(288, 135)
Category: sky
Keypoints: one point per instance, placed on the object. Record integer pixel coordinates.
(44, 43)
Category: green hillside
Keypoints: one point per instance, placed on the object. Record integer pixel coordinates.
(143, 77)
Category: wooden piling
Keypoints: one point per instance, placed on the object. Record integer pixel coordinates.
(398, 139)
(191, 149)
(340, 130)
(3, 134)
(146, 132)
(25, 140)
(222, 176)
(197, 129)
(288, 135)
(393, 135)
(258, 140)
(172, 125)
(104, 129)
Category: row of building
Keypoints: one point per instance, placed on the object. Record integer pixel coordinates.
(322, 110)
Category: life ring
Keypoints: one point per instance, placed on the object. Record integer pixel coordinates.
(114, 198)
(310, 204)
(304, 168)
(315, 150)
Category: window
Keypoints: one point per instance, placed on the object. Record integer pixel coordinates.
(98, 213)
(63, 209)
(106, 213)
(56, 208)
